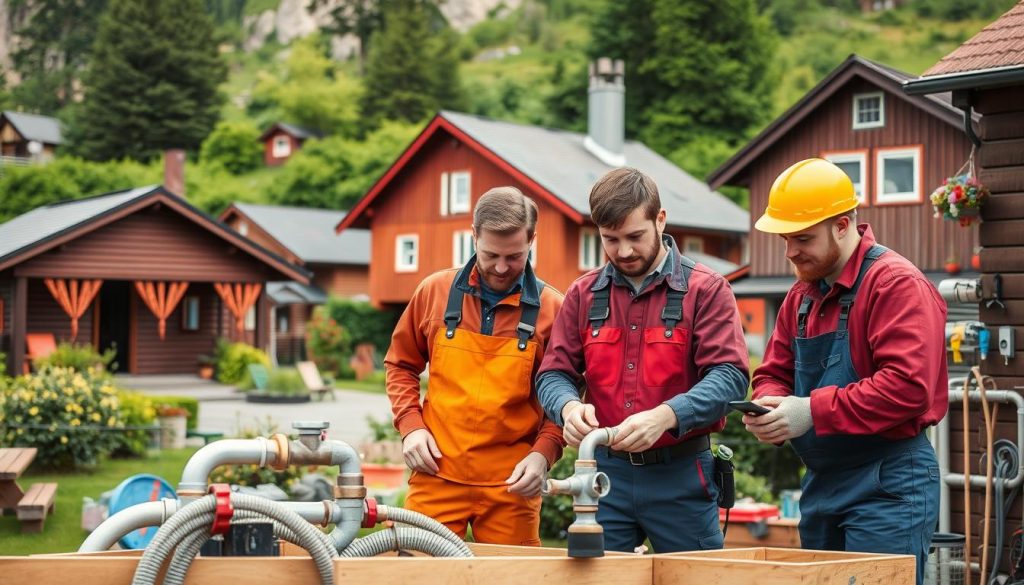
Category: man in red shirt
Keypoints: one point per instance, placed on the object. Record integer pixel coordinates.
(658, 341)
(854, 371)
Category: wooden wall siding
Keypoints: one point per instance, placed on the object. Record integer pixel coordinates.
(6, 299)
(268, 149)
(153, 244)
(46, 316)
(178, 353)
(342, 280)
(909, 229)
(1002, 237)
(258, 235)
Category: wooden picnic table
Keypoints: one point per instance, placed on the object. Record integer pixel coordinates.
(13, 462)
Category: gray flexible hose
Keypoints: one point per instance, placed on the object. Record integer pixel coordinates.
(411, 538)
(427, 523)
(198, 515)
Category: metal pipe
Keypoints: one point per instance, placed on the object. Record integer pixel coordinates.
(587, 486)
(138, 516)
(195, 477)
(1003, 396)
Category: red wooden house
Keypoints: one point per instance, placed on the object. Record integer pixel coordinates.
(896, 149)
(282, 140)
(139, 270)
(419, 212)
(304, 236)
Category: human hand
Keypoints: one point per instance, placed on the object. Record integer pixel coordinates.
(790, 418)
(578, 420)
(420, 451)
(641, 430)
(529, 475)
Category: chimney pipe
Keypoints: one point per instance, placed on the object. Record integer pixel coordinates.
(606, 111)
(174, 171)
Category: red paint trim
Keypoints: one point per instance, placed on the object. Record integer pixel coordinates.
(739, 273)
(440, 122)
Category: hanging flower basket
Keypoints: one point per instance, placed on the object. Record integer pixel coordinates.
(961, 196)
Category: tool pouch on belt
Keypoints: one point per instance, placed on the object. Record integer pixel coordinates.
(724, 479)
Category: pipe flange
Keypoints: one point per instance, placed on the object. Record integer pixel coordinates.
(349, 479)
(280, 463)
(584, 509)
(585, 463)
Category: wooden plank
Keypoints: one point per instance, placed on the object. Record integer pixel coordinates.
(1003, 179)
(119, 571)
(1013, 285)
(780, 533)
(17, 461)
(1000, 100)
(750, 554)
(1002, 233)
(1003, 206)
(1000, 126)
(626, 570)
(1006, 259)
(997, 367)
(700, 570)
(1011, 314)
(1003, 153)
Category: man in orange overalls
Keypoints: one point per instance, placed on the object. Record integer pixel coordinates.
(478, 445)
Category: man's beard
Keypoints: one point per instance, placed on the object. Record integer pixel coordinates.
(646, 262)
(495, 282)
(818, 270)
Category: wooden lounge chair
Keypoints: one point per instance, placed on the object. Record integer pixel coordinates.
(316, 384)
(260, 376)
(38, 345)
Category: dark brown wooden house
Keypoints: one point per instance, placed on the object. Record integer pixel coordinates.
(282, 140)
(140, 270)
(419, 212)
(986, 76)
(896, 148)
(304, 236)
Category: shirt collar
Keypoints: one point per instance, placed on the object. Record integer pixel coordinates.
(672, 262)
(468, 281)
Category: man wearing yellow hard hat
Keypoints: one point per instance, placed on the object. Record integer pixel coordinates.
(854, 371)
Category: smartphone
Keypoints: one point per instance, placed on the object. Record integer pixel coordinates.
(748, 407)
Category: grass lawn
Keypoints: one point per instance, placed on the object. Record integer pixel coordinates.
(360, 385)
(62, 531)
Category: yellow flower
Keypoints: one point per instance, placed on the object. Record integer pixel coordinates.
(33, 411)
(75, 422)
(111, 421)
(70, 406)
(20, 431)
(95, 417)
(63, 440)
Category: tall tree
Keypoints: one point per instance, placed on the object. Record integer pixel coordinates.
(55, 38)
(152, 83)
(413, 66)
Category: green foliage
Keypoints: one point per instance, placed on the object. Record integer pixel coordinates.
(363, 322)
(233, 358)
(136, 410)
(312, 92)
(234, 146)
(3, 370)
(556, 511)
(335, 172)
(285, 381)
(25, 188)
(413, 71)
(78, 357)
(958, 10)
(329, 343)
(777, 467)
(151, 83)
(361, 18)
(382, 430)
(189, 403)
(64, 413)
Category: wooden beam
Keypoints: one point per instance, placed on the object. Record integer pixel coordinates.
(1000, 126)
(19, 324)
(1002, 233)
(1013, 285)
(1003, 179)
(1012, 314)
(1003, 206)
(1002, 259)
(263, 321)
(1004, 153)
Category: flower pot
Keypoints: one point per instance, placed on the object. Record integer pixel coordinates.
(172, 431)
(976, 262)
(384, 475)
(206, 372)
(953, 267)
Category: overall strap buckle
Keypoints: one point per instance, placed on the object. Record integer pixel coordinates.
(599, 309)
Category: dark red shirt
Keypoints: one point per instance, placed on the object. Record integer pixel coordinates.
(897, 340)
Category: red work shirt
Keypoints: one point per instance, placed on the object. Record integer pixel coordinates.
(897, 341)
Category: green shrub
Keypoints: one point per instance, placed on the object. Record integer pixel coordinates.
(363, 322)
(556, 511)
(286, 381)
(329, 343)
(66, 414)
(3, 369)
(382, 430)
(137, 410)
(233, 358)
(79, 357)
(187, 402)
(234, 146)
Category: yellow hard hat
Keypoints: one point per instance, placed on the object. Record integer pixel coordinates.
(806, 193)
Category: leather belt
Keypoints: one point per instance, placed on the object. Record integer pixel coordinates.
(665, 454)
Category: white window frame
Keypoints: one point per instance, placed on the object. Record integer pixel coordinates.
(688, 240)
(282, 315)
(857, 99)
(462, 247)
(190, 305)
(849, 156)
(884, 154)
(590, 263)
(243, 228)
(401, 265)
(445, 183)
(250, 319)
(460, 201)
(281, 147)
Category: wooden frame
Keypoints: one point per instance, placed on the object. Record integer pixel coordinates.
(583, 264)
(881, 154)
(854, 155)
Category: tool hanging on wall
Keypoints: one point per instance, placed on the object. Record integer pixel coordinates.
(997, 294)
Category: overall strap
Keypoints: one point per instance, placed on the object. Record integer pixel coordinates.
(801, 316)
(672, 313)
(453, 312)
(846, 300)
(528, 318)
(599, 310)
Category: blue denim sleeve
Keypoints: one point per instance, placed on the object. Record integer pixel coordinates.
(554, 390)
(708, 400)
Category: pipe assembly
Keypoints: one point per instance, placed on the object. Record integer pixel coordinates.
(587, 485)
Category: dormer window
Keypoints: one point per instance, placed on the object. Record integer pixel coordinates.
(282, 146)
(868, 110)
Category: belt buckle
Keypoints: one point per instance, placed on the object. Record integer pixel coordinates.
(637, 459)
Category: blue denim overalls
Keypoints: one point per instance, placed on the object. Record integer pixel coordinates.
(861, 493)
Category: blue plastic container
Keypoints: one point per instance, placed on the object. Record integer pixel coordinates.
(138, 489)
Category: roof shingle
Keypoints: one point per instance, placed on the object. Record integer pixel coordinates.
(1000, 44)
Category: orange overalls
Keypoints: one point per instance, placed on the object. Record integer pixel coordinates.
(480, 408)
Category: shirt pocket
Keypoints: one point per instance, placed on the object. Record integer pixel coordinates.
(603, 355)
(665, 358)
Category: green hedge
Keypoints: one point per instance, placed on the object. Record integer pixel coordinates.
(187, 402)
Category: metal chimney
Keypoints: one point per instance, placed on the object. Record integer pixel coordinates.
(606, 111)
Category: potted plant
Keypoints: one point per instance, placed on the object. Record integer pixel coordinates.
(206, 366)
(173, 426)
(960, 199)
(383, 464)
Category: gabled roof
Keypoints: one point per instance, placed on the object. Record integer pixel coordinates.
(43, 228)
(308, 233)
(555, 164)
(939, 105)
(293, 293)
(1000, 44)
(35, 127)
(296, 131)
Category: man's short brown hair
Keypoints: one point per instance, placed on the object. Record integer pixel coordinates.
(505, 210)
(619, 193)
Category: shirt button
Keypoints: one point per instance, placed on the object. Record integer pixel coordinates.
(629, 365)
(629, 405)
(633, 327)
